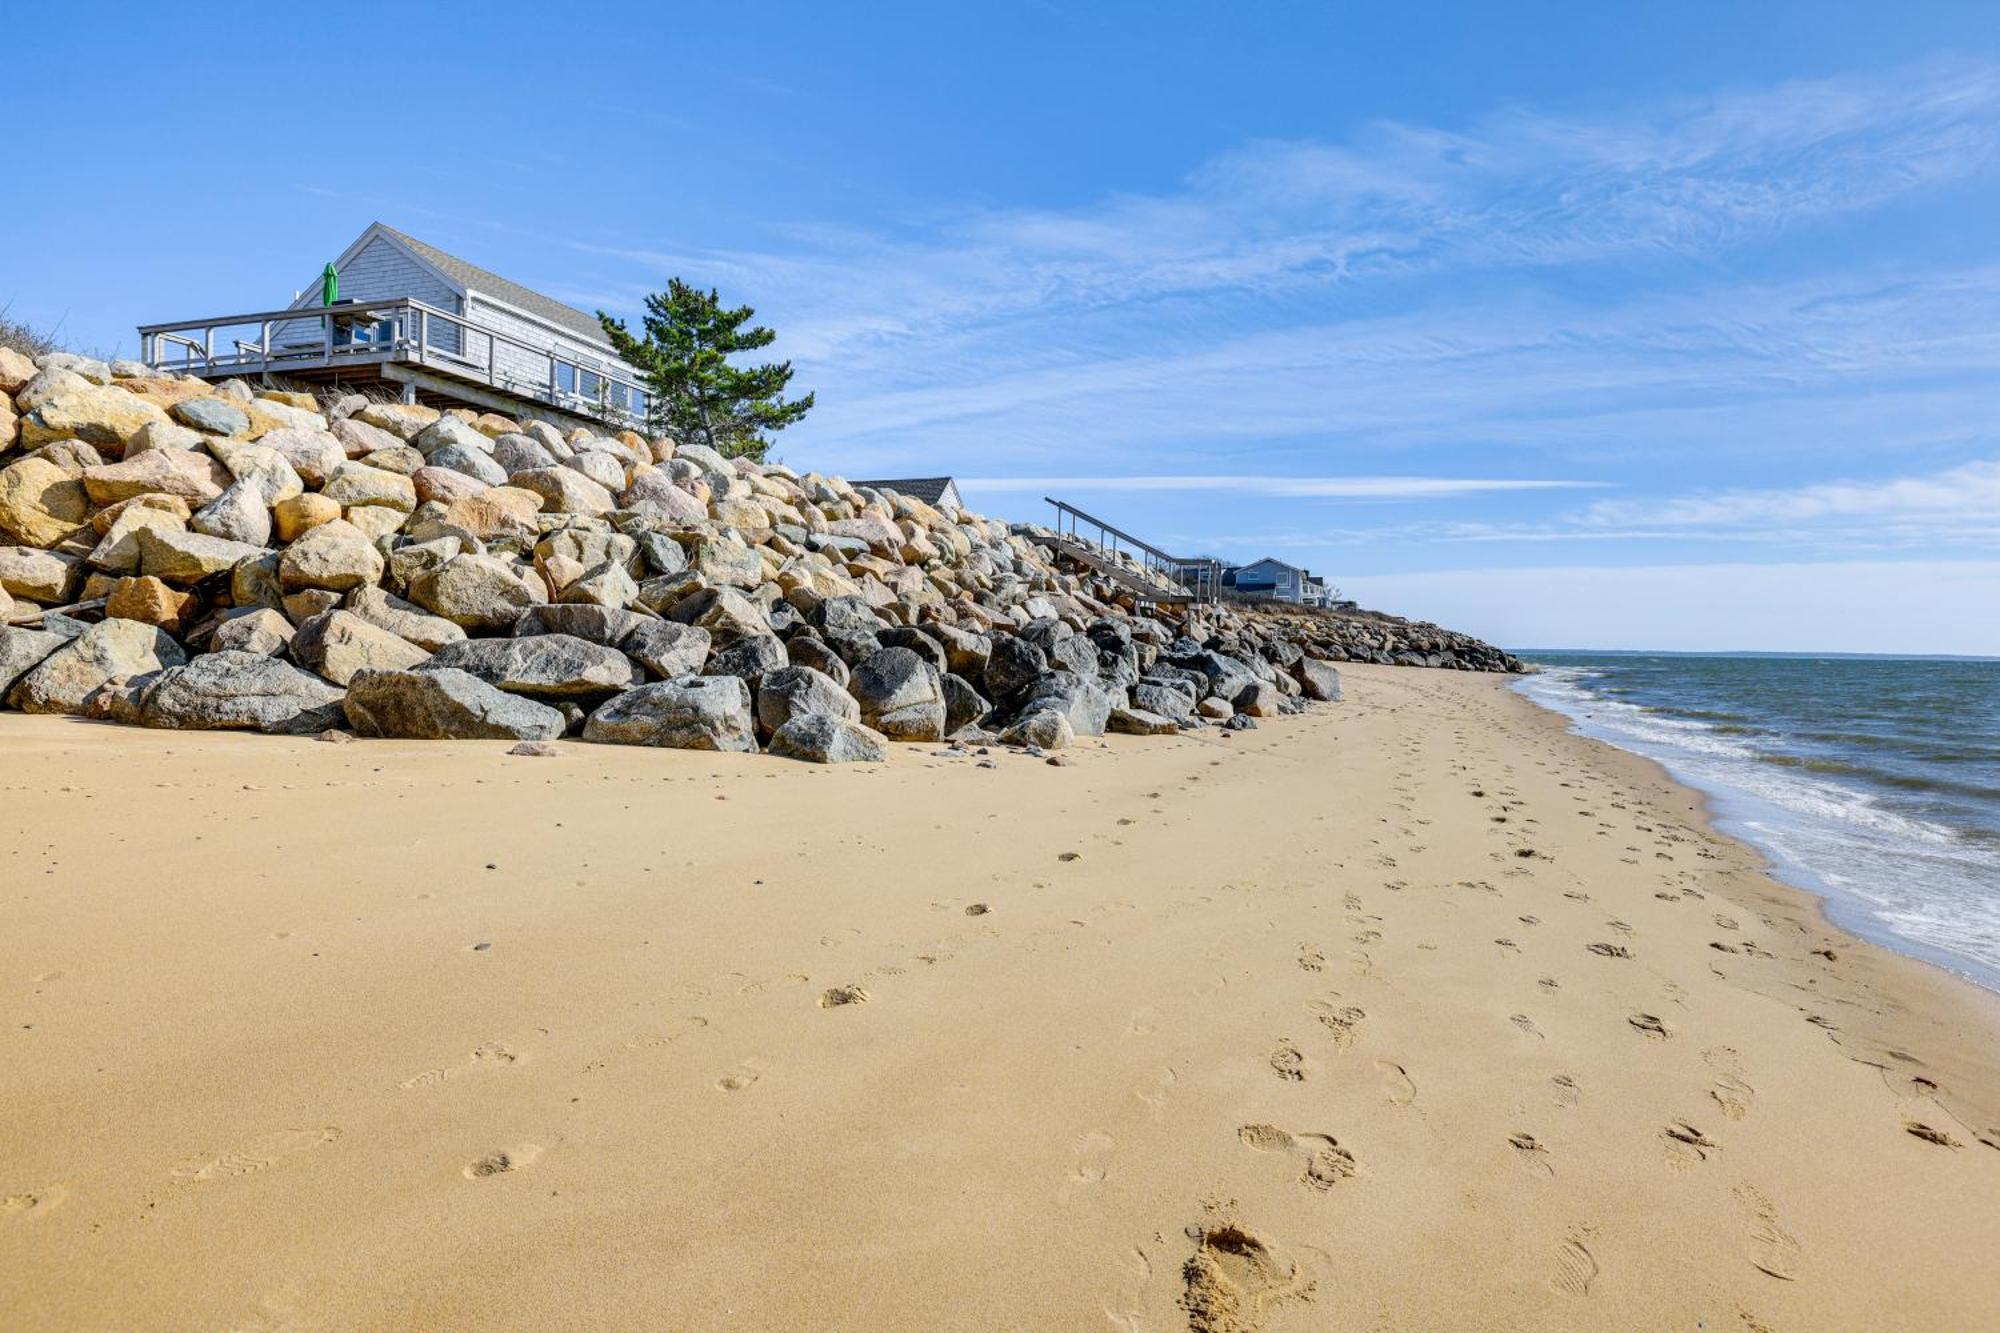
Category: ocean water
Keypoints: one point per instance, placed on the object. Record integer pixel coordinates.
(1872, 781)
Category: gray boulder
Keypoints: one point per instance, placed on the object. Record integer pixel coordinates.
(212, 415)
(474, 592)
(1171, 699)
(1013, 665)
(386, 611)
(240, 691)
(554, 666)
(1047, 728)
(66, 678)
(819, 738)
(607, 625)
(1139, 722)
(901, 695)
(809, 650)
(963, 705)
(692, 713)
(444, 705)
(750, 657)
(338, 644)
(1318, 679)
(260, 630)
(21, 651)
(1081, 699)
(796, 691)
(668, 648)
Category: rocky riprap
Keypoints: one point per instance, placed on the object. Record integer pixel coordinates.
(180, 554)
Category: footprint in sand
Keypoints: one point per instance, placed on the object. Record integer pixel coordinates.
(1288, 1062)
(1154, 1093)
(1918, 1129)
(30, 1204)
(1575, 1269)
(1530, 1155)
(255, 1155)
(745, 1076)
(1686, 1146)
(1773, 1250)
(1311, 959)
(1092, 1161)
(1563, 1089)
(1525, 1023)
(1649, 1026)
(1235, 1278)
(1729, 1089)
(837, 996)
(1326, 1163)
(491, 1055)
(1338, 1019)
(500, 1163)
(1396, 1083)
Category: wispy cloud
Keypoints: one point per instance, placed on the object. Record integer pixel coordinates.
(1340, 488)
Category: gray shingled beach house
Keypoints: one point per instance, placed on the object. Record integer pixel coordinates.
(396, 313)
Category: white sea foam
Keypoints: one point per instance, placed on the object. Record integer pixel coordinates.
(1896, 878)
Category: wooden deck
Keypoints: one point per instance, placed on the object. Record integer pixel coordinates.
(429, 354)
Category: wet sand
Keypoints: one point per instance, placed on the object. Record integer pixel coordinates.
(1416, 1012)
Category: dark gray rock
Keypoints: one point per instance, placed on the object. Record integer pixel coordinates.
(917, 641)
(22, 650)
(212, 415)
(963, 705)
(444, 705)
(901, 695)
(240, 691)
(553, 666)
(1318, 679)
(1013, 665)
(668, 648)
(1173, 699)
(693, 713)
(820, 739)
(749, 658)
(795, 691)
(809, 650)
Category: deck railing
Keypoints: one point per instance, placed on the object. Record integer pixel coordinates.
(403, 330)
(1198, 576)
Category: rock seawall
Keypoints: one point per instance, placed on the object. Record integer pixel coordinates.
(180, 554)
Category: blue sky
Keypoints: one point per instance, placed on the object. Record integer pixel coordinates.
(1595, 325)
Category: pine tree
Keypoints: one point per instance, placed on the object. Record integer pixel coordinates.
(697, 396)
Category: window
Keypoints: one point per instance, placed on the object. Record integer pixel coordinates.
(565, 377)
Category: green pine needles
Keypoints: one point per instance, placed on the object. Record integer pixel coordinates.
(697, 395)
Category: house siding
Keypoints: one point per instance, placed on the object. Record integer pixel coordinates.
(383, 271)
(530, 370)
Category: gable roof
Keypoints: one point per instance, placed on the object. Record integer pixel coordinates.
(473, 278)
(928, 489)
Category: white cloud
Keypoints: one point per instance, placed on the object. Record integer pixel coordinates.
(1345, 488)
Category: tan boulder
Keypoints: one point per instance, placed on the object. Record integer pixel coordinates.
(48, 577)
(358, 484)
(189, 557)
(339, 644)
(376, 521)
(402, 420)
(358, 439)
(313, 454)
(106, 417)
(102, 520)
(106, 651)
(15, 371)
(194, 477)
(564, 491)
(150, 601)
(10, 422)
(48, 384)
(40, 504)
(119, 551)
(300, 514)
(335, 556)
(444, 485)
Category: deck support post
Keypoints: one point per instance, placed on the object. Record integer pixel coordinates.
(410, 392)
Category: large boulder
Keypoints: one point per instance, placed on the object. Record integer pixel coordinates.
(217, 416)
(1318, 679)
(1227, 677)
(189, 557)
(354, 484)
(668, 648)
(553, 666)
(692, 713)
(565, 491)
(194, 477)
(478, 593)
(339, 645)
(1044, 728)
(901, 695)
(239, 514)
(820, 738)
(794, 691)
(655, 495)
(335, 556)
(111, 648)
(101, 416)
(1139, 722)
(40, 504)
(963, 705)
(40, 576)
(21, 651)
(252, 630)
(1169, 698)
(609, 626)
(1013, 665)
(1081, 699)
(1261, 699)
(241, 691)
(384, 610)
(444, 705)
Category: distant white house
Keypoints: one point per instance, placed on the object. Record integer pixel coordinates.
(439, 329)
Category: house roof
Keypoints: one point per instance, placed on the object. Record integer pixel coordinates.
(928, 489)
(488, 283)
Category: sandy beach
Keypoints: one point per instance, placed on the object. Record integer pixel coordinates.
(1415, 1012)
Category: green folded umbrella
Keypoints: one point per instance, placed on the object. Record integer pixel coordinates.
(329, 285)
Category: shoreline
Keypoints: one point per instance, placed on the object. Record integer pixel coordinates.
(1301, 1028)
